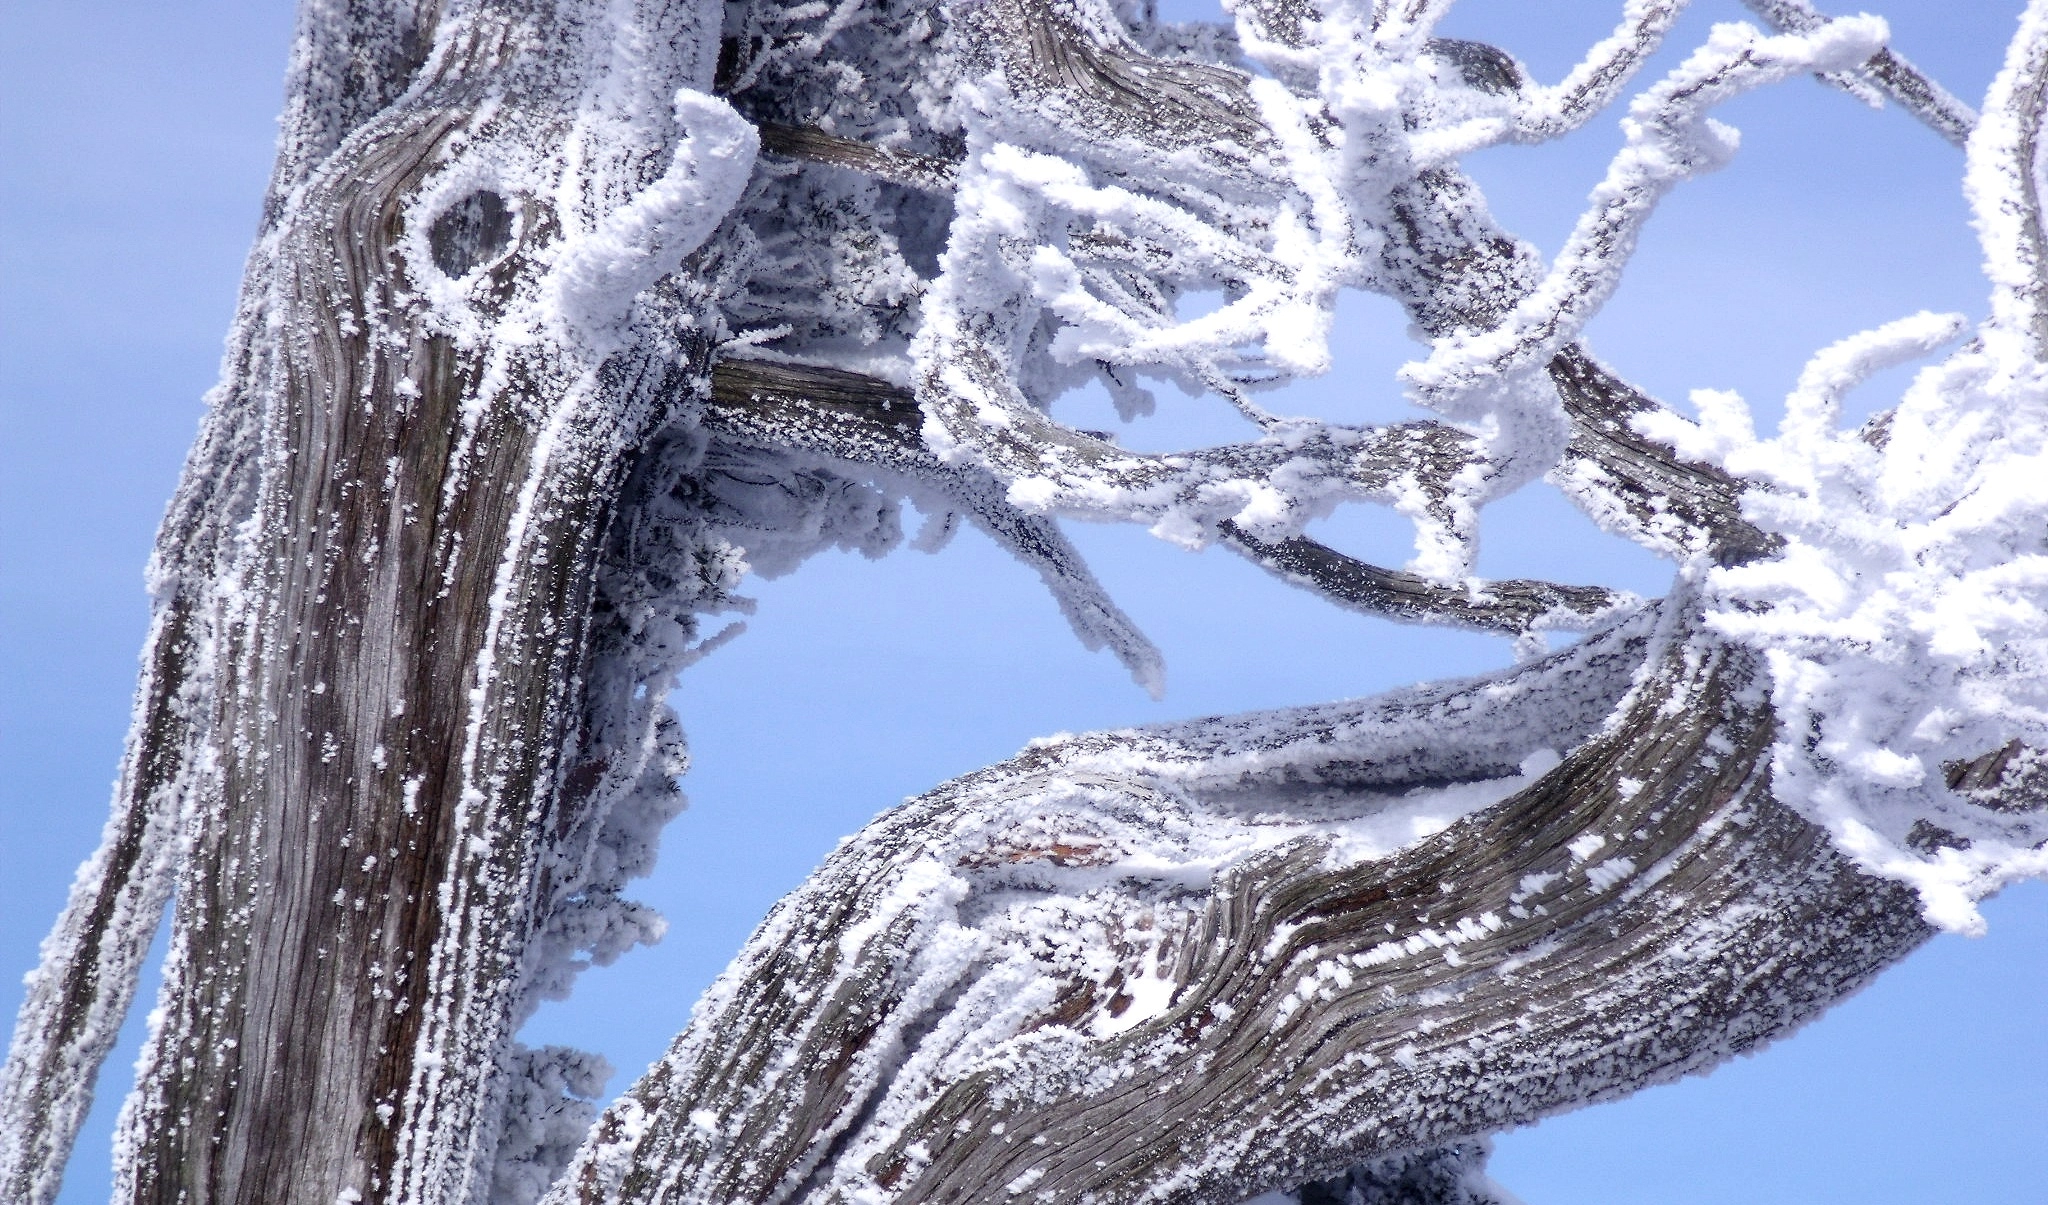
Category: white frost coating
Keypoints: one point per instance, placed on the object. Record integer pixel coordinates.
(1904, 83)
(1066, 261)
(1669, 138)
(1472, 118)
(1069, 258)
(601, 272)
(2001, 186)
(1610, 872)
(1903, 623)
(548, 1109)
(1073, 865)
(1049, 232)
(617, 165)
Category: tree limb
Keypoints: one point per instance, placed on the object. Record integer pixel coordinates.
(914, 1024)
(861, 420)
(1513, 606)
(1886, 73)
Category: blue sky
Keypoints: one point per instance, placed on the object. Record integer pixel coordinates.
(137, 138)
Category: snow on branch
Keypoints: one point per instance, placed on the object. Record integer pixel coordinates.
(1597, 79)
(1294, 940)
(504, 256)
(2005, 194)
(1509, 109)
(1514, 606)
(1670, 138)
(1884, 74)
(1901, 618)
(854, 420)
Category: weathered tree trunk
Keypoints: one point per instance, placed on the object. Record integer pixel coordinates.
(479, 464)
(375, 710)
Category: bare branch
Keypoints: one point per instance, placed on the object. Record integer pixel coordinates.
(1451, 267)
(1513, 606)
(1106, 92)
(926, 172)
(1069, 471)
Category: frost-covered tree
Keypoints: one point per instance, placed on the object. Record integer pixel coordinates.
(566, 314)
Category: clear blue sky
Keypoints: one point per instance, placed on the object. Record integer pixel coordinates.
(136, 138)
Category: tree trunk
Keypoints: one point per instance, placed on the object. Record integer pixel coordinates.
(479, 466)
(392, 704)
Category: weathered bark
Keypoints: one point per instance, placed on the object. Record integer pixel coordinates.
(400, 735)
(899, 1030)
(355, 62)
(373, 658)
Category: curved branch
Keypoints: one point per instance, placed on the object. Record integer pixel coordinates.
(1103, 91)
(1598, 79)
(856, 419)
(1512, 607)
(1886, 73)
(999, 984)
(1639, 484)
(1669, 139)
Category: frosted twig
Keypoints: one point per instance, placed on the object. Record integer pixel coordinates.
(1592, 84)
(2003, 184)
(1669, 140)
(1512, 606)
(1271, 487)
(1814, 408)
(1885, 73)
(846, 418)
(1400, 27)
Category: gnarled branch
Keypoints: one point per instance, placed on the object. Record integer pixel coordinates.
(855, 419)
(1140, 966)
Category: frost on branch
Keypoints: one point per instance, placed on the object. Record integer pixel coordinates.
(1902, 620)
(1209, 960)
(976, 976)
(568, 315)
